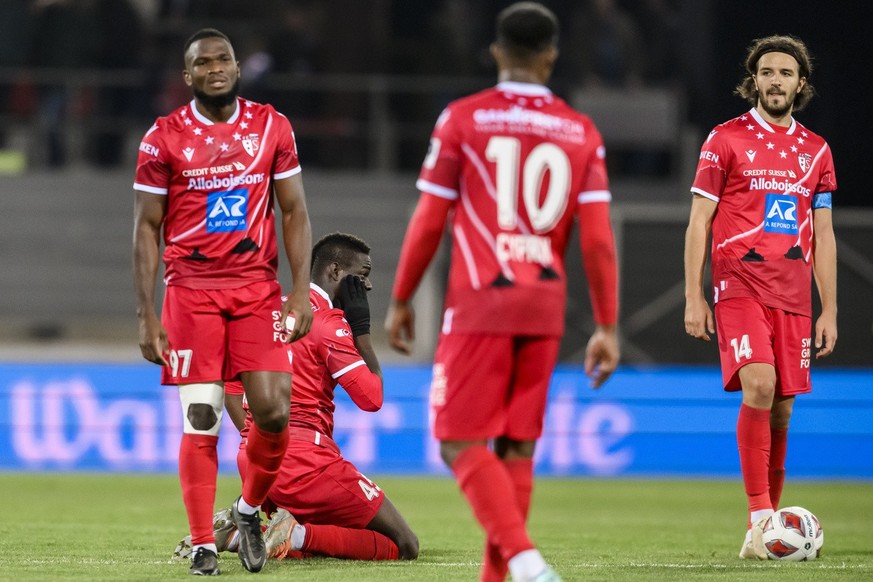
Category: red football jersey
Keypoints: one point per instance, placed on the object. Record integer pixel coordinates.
(320, 360)
(764, 178)
(516, 161)
(219, 230)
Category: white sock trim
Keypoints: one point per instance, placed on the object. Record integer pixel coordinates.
(526, 565)
(245, 508)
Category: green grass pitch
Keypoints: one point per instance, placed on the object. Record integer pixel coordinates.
(110, 527)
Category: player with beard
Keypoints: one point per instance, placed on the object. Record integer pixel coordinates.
(205, 180)
(763, 192)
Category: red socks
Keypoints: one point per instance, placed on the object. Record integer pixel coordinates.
(264, 451)
(490, 491)
(494, 568)
(198, 469)
(778, 451)
(753, 441)
(351, 544)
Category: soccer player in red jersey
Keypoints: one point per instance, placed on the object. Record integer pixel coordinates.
(512, 165)
(763, 192)
(323, 505)
(205, 179)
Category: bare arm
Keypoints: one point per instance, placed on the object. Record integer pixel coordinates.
(297, 236)
(824, 266)
(149, 213)
(699, 322)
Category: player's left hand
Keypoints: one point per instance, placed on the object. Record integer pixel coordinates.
(297, 305)
(825, 335)
(601, 355)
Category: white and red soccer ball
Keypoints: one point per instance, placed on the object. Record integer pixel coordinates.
(794, 534)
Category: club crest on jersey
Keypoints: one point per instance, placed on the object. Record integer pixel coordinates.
(227, 211)
(805, 161)
(251, 143)
(780, 214)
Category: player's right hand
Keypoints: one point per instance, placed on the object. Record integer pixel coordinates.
(400, 326)
(699, 319)
(153, 342)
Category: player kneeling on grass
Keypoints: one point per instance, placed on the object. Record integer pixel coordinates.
(320, 504)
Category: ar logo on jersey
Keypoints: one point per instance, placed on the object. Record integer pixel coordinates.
(227, 211)
(781, 214)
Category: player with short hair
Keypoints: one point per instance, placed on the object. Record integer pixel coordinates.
(323, 505)
(205, 179)
(763, 192)
(513, 165)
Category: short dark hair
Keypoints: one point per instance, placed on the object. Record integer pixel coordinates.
(777, 44)
(337, 247)
(204, 33)
(525, 29)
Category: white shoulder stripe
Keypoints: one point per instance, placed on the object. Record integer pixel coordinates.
(712, 197)
(149, 189)
(287, 174)
(347, 369)
(594, 196)
(436, 189)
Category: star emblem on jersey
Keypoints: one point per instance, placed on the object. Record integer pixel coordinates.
(751, 155)
(250, 143)
(805, 161)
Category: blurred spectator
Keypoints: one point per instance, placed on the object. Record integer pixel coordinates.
(62, 33)
(119, 46)
(14, 50)
(603, 46)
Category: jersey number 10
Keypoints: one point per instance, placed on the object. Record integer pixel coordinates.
(505, 152)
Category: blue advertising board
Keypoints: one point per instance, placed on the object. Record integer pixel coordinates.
(659, 421)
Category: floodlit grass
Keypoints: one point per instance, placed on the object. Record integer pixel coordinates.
(108, 527)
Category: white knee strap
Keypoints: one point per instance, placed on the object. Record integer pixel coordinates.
(211, 393)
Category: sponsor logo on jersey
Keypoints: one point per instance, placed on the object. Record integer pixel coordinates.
(523, 120)
(780, 213)
(751, 155)
(343, 332)
(227, 211)
(709, 156)
(251, 143)
(805, 161)
(189, 153)
(225, 182)
(149, 149)
(778, 186)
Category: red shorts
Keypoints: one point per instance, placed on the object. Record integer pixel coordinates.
(215, 334)
(317, 485)
(750, 332)
(486, 386)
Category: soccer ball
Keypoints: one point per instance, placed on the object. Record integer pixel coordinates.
(793, 533)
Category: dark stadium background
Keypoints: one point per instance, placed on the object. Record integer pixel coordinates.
(362, 83)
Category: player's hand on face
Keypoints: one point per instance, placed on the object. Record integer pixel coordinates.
(356, 308)
(297, 306)
(153, 342)
(400, 326)
(825, 335)
(601, 355)
(699, 322)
